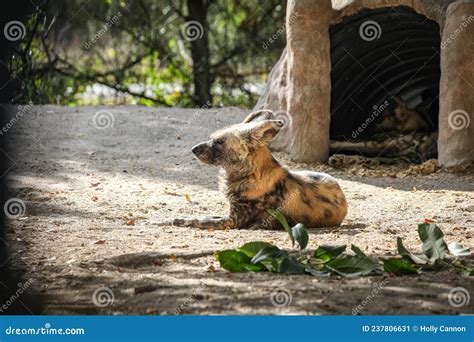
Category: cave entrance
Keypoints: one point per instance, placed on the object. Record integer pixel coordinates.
(385, 76)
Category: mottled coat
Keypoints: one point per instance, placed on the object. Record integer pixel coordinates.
(254, 181)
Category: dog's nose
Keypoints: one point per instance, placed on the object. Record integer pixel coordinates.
(198, 149)
(280, 123)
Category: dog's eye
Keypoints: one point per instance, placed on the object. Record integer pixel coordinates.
(219, 142)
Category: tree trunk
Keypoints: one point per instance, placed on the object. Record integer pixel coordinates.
(197, 10)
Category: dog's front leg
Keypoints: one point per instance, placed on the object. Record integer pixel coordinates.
(208, 222)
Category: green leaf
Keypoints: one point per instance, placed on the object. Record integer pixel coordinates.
(362, 255)
(279, 216)
(270, 264)
(326, 253)
(269, 252)
(289, 265)
(467, 270)
(253, 267)
(252, 248)
(301, 235)
(420, 259)
(358, 251)
(351, 266)
(233, 261)
(433, 243)
(398, 266)
(457, 250)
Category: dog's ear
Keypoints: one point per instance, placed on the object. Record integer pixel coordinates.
(264, 131)
(400, 102)
(259, 115)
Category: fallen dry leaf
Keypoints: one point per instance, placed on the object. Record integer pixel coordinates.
(173, 257)
(99, 242)
(188, 198)
(157, 262)
(166, 191)
(130, 222)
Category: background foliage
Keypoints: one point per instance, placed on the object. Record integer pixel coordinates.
(138, 51)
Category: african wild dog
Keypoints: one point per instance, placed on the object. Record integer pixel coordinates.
(254, 181)
(405, 120)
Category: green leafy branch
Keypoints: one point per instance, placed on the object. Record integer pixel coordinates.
(327, 260)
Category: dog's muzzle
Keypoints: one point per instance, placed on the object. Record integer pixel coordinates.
(204, 153)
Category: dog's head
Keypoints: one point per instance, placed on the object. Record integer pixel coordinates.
(231, 146)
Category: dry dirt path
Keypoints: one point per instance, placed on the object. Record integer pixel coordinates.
(93, 198)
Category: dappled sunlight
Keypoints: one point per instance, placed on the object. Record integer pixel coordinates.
(95, 196)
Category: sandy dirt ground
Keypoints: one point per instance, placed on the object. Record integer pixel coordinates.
(91, 244)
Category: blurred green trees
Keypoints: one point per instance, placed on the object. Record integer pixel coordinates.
(168, 52)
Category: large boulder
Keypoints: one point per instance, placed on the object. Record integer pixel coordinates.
(299, 86)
